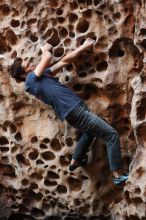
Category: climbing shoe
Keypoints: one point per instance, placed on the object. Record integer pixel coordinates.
(120, 179)
(82, 162)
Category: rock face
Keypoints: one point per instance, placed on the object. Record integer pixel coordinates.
(35, 147)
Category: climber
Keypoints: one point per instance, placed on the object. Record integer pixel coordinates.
(40, 82)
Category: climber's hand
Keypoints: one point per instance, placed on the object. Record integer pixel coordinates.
(46, 48)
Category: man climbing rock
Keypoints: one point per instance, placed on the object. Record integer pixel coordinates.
(41, 83)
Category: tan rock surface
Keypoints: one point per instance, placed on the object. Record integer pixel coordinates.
(111, 79)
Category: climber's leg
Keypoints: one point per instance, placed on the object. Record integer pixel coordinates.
(82, 118)
(80, 157)
(82, 146)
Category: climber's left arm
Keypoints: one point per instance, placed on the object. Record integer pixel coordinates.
(69, 58)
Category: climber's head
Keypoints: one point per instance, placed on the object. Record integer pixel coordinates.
(20, 69)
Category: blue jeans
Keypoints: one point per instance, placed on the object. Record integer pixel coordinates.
(93, 126)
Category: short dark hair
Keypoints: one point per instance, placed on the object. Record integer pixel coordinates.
(17, 69)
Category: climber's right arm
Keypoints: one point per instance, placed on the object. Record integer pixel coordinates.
(45, 60)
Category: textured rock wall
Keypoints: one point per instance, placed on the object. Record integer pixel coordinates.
(35, 149)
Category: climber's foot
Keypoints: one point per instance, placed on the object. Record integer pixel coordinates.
(82, 162)
(121, 179)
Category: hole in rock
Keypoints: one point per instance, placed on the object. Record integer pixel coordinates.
(11, 126)
(48, 155)
(36, 176)
(33, 155)
(15, 148)
(87, 13)
(140, 171)
(88, 65)
(131, 136)
(82, 26)
(116, 16)
(72, 17)
(33, 186)
(33, 38)
(67, 42)
(90, 89)
(46, 207)
(37, 213)
(34, 196)
(92, 71)
(85, 209)
(61, 206)
(4, 149)
(141, 109)
(69, 67)
(55, 145)
(22, 160)
(5, 9)
(29, 9)
(69, 141)
(43, 146)
(115, 50)
(61, 189)
(34, 139)
(18, 136)
(5, 159)
(12, 38)
(7, 170)
(96, 59)
(58, 52)
(59, 12)
(73, 5)
(77, 87)
(25, 182)
(53, 3)
(74, 184)
(102, 66)
(1, 98)
(46, 140)
(54, 22)
(63, 32)
(67, 78)
(82, 74)
(84, 178)
(50, 183)
(61, 20)
(103, 7)
(15, 23)
(22, 209)
(53, 167)
(141, 133)
(143, 31)
(3, 140)
(138, 191)
(52, 175)
(65, 173)
(54, 39)
(72, 34)
(77, 202)
(15, 206)
(31, 21)
(48, 32)
(39, 162)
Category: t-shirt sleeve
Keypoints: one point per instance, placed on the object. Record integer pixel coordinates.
(30, 81)
(47, 71)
